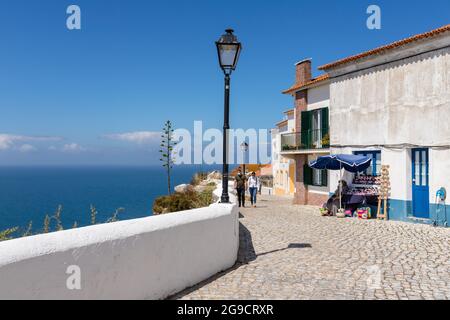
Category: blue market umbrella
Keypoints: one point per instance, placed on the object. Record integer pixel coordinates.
(350, 162)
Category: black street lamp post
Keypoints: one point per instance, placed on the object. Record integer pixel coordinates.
(228, 49)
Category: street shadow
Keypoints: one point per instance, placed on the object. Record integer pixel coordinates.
(246, 255)
(291, 246)
(247, 251)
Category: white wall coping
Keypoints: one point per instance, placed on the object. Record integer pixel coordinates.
(34, 246)
(147, 258)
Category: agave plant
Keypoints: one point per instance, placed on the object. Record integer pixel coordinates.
(167, 154)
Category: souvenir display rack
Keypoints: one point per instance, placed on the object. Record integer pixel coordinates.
(385, 190)
(365, 186)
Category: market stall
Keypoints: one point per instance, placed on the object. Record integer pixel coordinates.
(362, 191)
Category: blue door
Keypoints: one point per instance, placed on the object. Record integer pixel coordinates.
(420, 181)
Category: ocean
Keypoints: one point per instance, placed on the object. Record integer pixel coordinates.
(30, 193)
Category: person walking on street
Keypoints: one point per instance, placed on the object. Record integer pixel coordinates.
(253, 187)
(240, 184)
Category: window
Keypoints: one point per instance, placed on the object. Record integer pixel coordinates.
(375, 168)
(318, 178)
(313, 177)
(315, 128)
(316, 133)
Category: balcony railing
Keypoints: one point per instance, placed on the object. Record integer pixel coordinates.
(306, 140)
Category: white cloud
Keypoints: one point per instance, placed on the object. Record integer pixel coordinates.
(72, 148)
(5, 142)
(8, 141)
(27, 148)
(139, 137)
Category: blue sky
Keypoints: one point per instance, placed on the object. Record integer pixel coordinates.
(66, 96)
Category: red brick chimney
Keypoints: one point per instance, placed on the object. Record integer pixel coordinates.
(302, 76)
(303, 72)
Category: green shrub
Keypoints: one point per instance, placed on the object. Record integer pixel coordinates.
(205, 198)
(57, 218)
(46, 224)
(7, 234)
(175, 202)
(115, 216)
(57, 225)
(29, 231)
(93, 215)
(198, 178)
(183, 201)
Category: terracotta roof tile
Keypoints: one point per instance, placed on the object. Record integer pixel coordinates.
(282, 123)
(289, 111)
(385, 48)
(297, 87)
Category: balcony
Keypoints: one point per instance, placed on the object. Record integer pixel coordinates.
(306, 140)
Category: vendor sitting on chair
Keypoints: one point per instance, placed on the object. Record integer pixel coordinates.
(334, 203)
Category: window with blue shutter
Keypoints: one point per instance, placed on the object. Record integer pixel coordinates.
(375, 168)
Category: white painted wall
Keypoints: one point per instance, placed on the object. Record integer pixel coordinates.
(401, 102)
(291, 122)
(148, 258)
(280, 164)
(319, 97)
(400, 171)
(291, 126)
(391, 102)
(439, 173)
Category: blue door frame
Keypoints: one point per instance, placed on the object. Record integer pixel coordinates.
(420, 183)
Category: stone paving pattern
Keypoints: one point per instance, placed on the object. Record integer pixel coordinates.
(291, 252)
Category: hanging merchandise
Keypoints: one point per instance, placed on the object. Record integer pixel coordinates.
(385, 190)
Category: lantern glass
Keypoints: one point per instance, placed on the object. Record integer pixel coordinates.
(228, 49)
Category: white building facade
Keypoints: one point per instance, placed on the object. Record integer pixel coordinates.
(283, 168)
(393, 104)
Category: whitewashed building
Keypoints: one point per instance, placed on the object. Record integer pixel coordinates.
(393, 103)
(283, 168)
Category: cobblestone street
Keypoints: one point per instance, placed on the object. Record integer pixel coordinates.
(291, 252)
